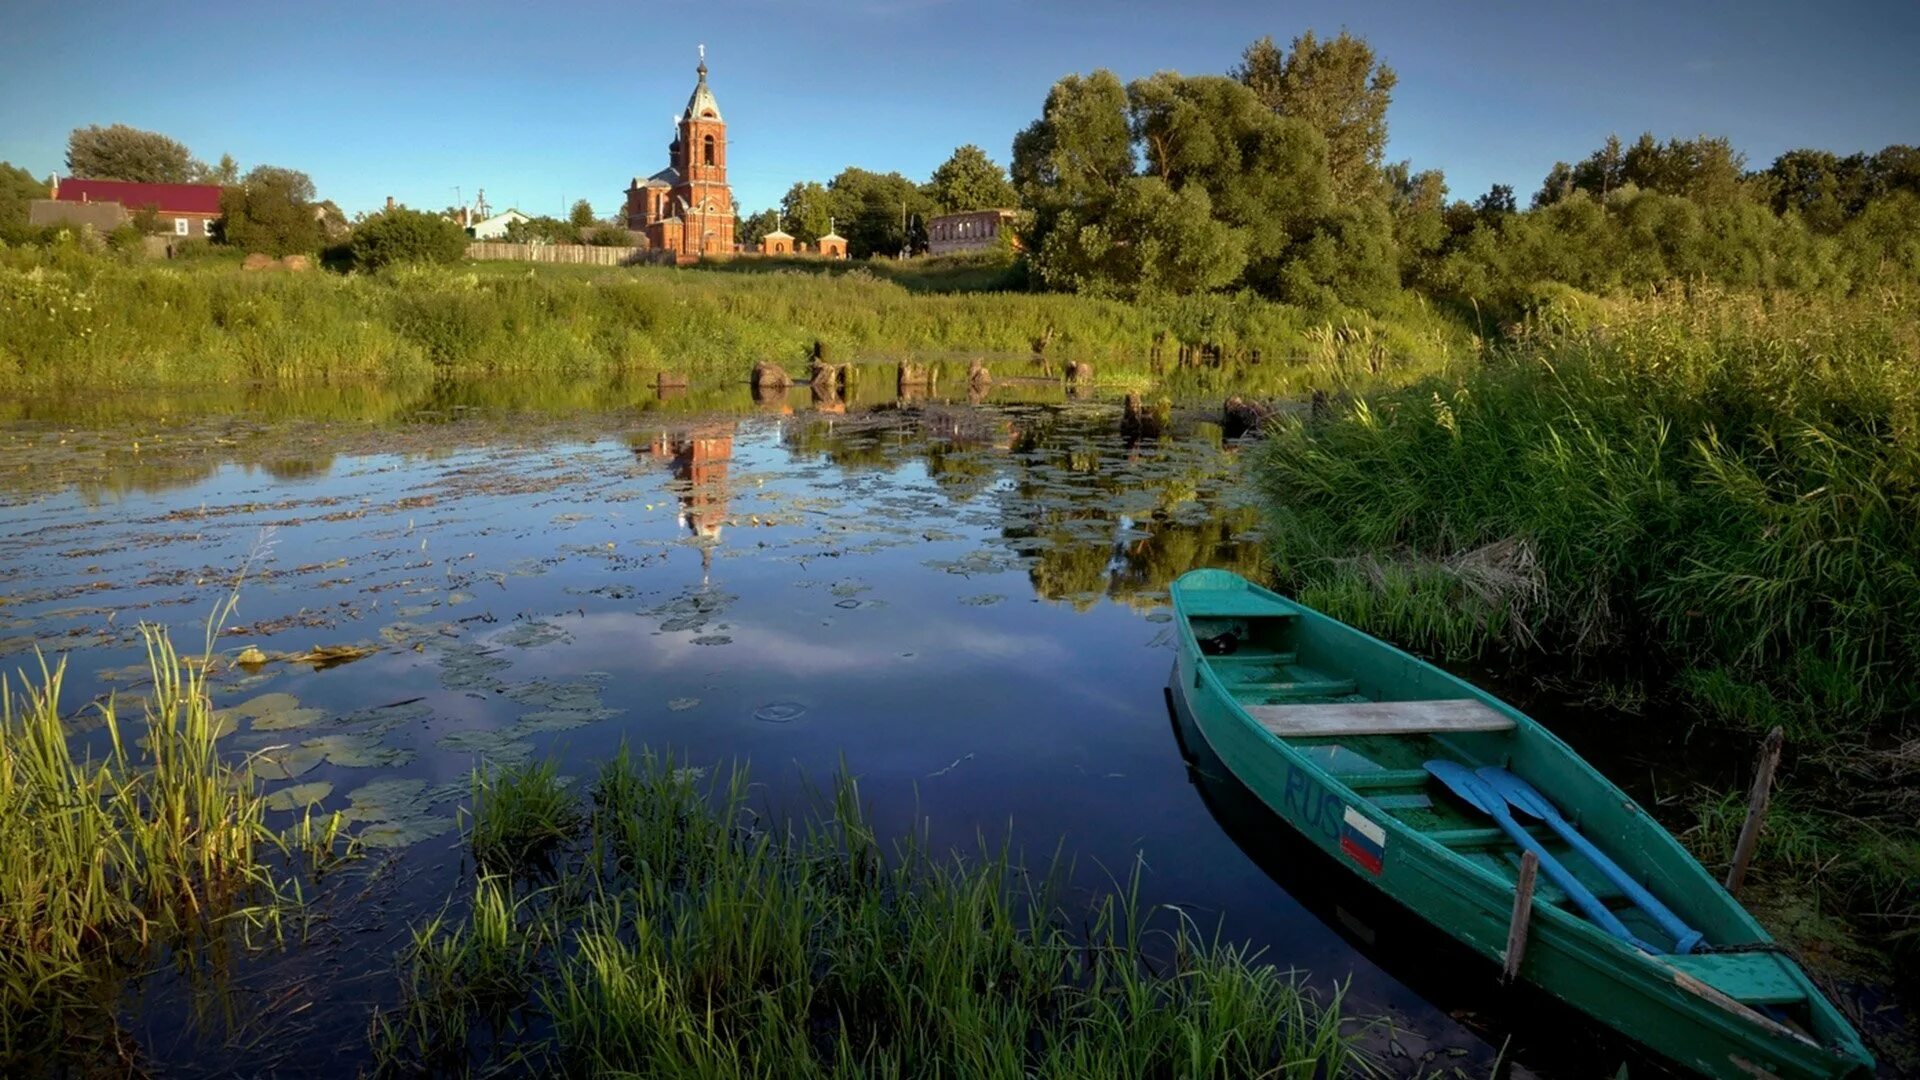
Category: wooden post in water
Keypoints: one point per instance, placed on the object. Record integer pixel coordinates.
(1756, 809)
(1522, 913)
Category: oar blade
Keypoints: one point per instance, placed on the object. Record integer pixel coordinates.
(1519, 794)
(1462, 782)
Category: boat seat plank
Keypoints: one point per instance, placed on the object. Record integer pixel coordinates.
(1380, 779)
(1252, 657)
(1297, 688)
(1379, 718)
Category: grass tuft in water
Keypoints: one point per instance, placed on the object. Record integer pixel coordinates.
(521, 814)
(682, 937)
(157, 847)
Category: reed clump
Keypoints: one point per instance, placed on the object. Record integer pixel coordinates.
(1721, 488)
(156, 847)
(684, 937)
(1708, 492)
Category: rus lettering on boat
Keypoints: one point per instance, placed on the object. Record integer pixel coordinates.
(1310, 805)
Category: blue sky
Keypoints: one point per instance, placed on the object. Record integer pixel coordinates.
(543, 104)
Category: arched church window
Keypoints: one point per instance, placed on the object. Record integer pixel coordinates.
(708, 150)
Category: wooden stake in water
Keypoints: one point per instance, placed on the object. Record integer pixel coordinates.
(1522, 912)
(1756, 809)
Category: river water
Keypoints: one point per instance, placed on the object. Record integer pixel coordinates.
(963, 602)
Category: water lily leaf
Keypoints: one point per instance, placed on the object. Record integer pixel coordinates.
(299, 796)
(533, 634)
(503, 745)
(274, 712)
(358, 750)
(466, 666)
(395, 813)
(562, 719)
(287, 762)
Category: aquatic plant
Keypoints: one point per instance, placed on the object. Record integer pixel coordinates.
(684, 938)
(158, 847)
(520, 813)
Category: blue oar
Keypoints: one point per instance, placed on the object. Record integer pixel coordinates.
(1525, 798)
(1461, 781)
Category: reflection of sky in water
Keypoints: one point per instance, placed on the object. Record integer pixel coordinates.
(964, 605)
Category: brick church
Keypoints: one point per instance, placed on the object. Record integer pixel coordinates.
(687, 207)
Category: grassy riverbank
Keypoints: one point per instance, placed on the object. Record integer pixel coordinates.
(657, 920)
(70, 321)
(1718, 494)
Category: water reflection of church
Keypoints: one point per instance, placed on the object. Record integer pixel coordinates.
(698, 457)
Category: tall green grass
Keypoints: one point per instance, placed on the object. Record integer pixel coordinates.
(1725, 487)
(686, 937)
(1714, 493)
(71, 320)
(159, 847)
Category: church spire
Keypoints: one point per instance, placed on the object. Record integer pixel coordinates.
(702, 106)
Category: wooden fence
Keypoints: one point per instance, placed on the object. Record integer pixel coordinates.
(574, 254)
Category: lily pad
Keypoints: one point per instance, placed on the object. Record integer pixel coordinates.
(299, 796)
(533, 634)
(503, 745)
(274, 712)
(395, 813)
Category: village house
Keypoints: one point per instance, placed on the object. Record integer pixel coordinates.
(495, 227)
(687, 208)
(969, 230)
(184, 210)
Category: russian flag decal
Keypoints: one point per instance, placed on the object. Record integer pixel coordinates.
(1362, 841)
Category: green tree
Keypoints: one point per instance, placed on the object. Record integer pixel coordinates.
(970, 180)
(1265, 175)
(296, 183)
(610, 236)
(124, 153)
(226, 174)
(806, 211)
(268, 213)
(581, 216)
(401, 235)
(1339, 89)
(878, 213)
(1417, 204)
(17, 188)
(748, 230)
(1497, 202)
(1080, 150)
(1707, 170)
(1152, 239)
(545, 229)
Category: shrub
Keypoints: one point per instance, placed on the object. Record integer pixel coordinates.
(401, 235)
(610, 236)
(268, 216)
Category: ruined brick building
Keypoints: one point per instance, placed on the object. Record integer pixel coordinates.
(687, 207)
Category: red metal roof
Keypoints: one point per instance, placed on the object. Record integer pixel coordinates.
(170, 198)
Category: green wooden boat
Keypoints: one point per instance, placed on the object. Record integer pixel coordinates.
(1335, 731)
